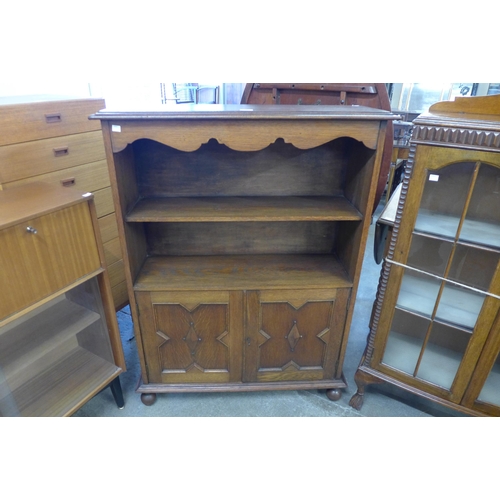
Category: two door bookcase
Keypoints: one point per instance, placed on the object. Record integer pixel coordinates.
(436, 324)
(243, 230)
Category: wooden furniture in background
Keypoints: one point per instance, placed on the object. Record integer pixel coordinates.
(59, 338)
(243, 230)
(436, 324)
(373, 95)
(49, 139)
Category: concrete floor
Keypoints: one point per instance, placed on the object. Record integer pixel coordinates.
(379, 401)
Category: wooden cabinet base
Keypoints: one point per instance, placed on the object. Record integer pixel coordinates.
(365, 377)
(333, 388)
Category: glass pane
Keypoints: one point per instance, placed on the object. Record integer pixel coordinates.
(459, 306)
(490, 392)
(418, 97)
(482, 222)
(443, 200)
(443, 353)
(418, 292)
(55, 355)
(473, 266)
(429, 254)
(494, 89)
(405, 341)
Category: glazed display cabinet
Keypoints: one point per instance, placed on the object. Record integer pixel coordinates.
(436, 324)
(243, 229)
(59, 338)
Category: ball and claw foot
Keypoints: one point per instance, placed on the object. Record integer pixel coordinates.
(333, 394)
(357, 401)
(148, 398)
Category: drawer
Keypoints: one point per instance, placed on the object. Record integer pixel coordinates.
(112, 251)
(41, 120)
(104, 202)
(89, 177)
(120, 295)
(62, 250)
(20, 161)
(108, 227)
(116, 273)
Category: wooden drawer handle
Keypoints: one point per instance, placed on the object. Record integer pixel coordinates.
(31, 229)
(53, 118)
(68, 182)
(61, 151)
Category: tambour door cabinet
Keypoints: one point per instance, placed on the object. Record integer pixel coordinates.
(59, 338)
(51, 139)
(244, 229)
(436, 326)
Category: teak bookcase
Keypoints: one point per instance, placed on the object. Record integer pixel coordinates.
(59, 338)
(436, 323)
(243, 229)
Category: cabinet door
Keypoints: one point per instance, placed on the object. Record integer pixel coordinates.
(441, 295)
(483, 393)
(293, 335)
(46, 254)
(191, 337)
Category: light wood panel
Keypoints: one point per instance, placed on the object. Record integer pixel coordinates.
(33, 158)
(26, 120)
(45, 262)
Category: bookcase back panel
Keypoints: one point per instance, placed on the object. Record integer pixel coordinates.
(219, 238)
(215, 170)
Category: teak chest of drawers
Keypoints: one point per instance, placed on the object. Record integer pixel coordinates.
(52, 140)
(243, 229)
(59, 338)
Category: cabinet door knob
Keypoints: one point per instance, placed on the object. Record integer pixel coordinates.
(31, 230)
(248, 340)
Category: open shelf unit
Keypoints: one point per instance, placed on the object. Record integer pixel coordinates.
(229, 213)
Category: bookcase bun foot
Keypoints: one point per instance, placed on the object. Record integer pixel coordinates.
(333, 394)
(148, 399)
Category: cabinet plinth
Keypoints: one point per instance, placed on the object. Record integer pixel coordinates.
(244, 229)
(435, 329)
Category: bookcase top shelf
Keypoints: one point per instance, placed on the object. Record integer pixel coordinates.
(247, 112)
(243, 127)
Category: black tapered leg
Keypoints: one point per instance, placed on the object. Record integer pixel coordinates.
(116, 389)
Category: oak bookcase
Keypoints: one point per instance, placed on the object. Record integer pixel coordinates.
(243, 230)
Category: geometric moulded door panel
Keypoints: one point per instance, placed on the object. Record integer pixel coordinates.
(297, 335)
(190, 336)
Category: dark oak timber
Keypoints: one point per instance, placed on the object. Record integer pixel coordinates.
(243, 230)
